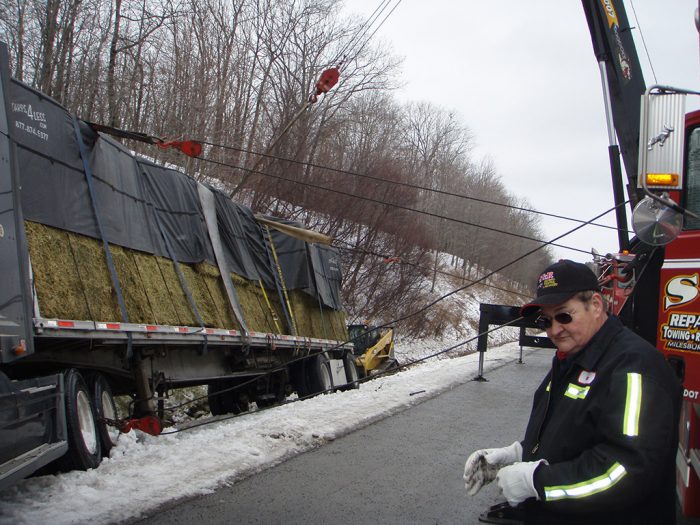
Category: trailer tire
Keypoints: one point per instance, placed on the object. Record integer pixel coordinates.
(225, 399)
(105, 407)
(319, 374)
(351, 373)
(297, 375)
(84, 448)
(215, 398)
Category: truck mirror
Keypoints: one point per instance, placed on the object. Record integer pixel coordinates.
(655, 223)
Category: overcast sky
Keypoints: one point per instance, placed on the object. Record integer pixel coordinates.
(523, 77)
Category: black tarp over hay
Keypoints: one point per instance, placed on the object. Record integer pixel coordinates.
(153, 221)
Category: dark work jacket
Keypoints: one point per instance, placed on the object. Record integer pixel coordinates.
(606, 421)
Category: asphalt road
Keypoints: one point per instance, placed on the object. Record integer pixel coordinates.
(404, 469)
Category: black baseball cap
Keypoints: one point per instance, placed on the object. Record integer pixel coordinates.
(559, 282)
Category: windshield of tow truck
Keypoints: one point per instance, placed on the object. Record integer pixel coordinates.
(692, 198)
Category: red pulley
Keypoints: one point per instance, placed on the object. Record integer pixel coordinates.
(190, 148)
(329, 78)
(326, 81)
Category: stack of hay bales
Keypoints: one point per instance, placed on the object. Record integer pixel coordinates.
(72, 281)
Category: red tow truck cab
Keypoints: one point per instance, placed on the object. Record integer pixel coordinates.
(678, 327)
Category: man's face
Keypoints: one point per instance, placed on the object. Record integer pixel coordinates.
(586, 320)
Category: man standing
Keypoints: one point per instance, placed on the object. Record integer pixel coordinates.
(601, 442)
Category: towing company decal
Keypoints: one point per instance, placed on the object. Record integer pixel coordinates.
(680, 290)
(681, 330)
(623, 60)
(609, 9)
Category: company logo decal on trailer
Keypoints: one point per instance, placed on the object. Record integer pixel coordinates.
(29, 120)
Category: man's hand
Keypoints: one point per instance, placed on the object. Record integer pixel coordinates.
(483, 465)
(517, 481)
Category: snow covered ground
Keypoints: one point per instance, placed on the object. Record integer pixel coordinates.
(144, 472)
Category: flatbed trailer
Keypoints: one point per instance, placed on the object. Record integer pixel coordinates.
(124, 277)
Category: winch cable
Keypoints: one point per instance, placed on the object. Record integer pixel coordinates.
(386, 257)
(194, 146)
(405, 317)
(330, 390)
(342, 55)
(351, 54)
(497, 270)
(408, 208)
(327, 80)
(644, 42)
(410, 185)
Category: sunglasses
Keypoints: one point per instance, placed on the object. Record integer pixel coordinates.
(544, 322)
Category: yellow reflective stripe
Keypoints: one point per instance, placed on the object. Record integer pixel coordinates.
(633, 405)
(576, 391)
(586, 488)
(548, 386)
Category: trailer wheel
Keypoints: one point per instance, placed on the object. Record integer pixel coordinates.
(106, 408)
(84, 450)
(222, 401)
(351, 371)
(319, 374)
(215, 398)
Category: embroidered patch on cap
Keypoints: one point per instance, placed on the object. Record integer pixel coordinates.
(547, 280)
(586, 377)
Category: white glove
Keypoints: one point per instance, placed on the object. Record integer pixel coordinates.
(483, 465)
(517, 481)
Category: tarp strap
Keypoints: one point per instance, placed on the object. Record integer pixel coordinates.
(278, 328)
(279, 282)
(108, 253)
(318, 289)
(176, 264)
(206, 200)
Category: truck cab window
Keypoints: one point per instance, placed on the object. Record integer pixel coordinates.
(692, 201)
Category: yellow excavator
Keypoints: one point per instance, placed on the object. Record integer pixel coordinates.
(374, 348)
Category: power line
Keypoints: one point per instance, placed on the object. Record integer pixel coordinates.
(644, 43)
(402, 207)
(406, 185)
(359, 50)
(362, 30)
(355, 248)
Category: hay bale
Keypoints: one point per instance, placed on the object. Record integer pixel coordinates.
(138, 307)
(202, 298)
(158, 296)
(73, 282)
(183, 312)
(315, 321)
(255, 310)
(56, 280)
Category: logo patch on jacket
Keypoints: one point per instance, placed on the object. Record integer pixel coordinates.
(586, 377)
